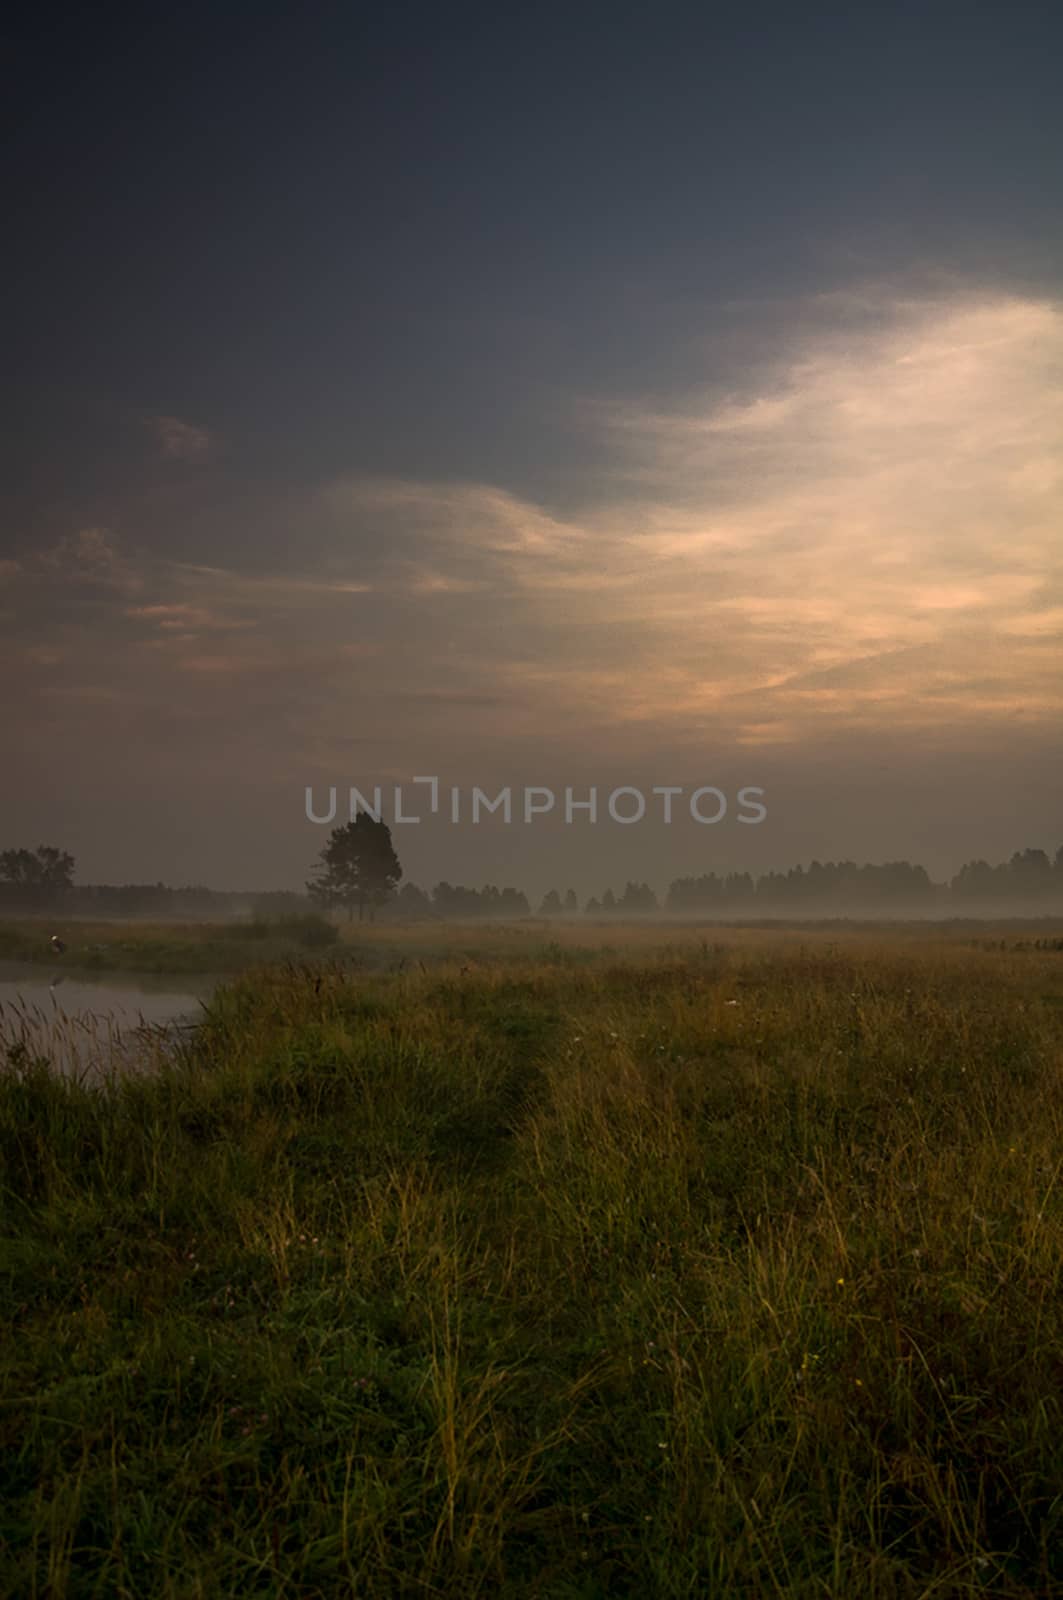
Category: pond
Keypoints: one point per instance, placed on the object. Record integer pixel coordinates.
(83, 1023)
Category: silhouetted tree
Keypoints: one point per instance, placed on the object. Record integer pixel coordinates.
(739, 888)
(1030, 873)
(359, 867)
(694, 894)
(976, 880)
(454, 900)
(571, 903)
(551, 906)
(608, 900)
(43, 868)
(637, 897)
(413, 902)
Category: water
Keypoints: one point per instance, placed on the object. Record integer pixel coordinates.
(84, 1024)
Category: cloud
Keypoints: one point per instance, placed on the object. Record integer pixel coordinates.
(187, 620)
(90, 597)
(90, 556)
(181, 441)
(261, 586)
(885, 503)
(1035, 624)
(862, 541)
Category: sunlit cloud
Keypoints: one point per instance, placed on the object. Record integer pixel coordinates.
(260, 586)
(1036, 624)
(887, 505)
(864, 540)
(424, 581)
(183, 618)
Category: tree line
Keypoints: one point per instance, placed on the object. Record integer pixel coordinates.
(359, 871)
(359, 867)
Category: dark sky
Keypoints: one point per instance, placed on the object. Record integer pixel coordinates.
(564, 396)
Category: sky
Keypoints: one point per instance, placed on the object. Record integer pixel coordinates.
(559, 397)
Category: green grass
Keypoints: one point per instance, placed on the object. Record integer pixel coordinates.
(725, 1268)
(168, 948)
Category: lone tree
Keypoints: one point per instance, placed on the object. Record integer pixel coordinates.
(359, 867)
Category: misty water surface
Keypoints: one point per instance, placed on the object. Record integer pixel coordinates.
(79, 1020)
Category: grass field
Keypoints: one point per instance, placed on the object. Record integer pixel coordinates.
(166, 948)
(509, 1264)
(175, 949)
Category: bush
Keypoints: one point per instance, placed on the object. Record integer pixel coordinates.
(312, 932)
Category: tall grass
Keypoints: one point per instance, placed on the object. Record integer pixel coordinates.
(85, 1046)
(722, 1269)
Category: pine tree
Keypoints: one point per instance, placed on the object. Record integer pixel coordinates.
(359, 867)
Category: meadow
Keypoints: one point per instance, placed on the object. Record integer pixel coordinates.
(165, 948)
(566, 1262)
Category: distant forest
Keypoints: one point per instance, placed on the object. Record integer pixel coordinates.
(42, 880)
